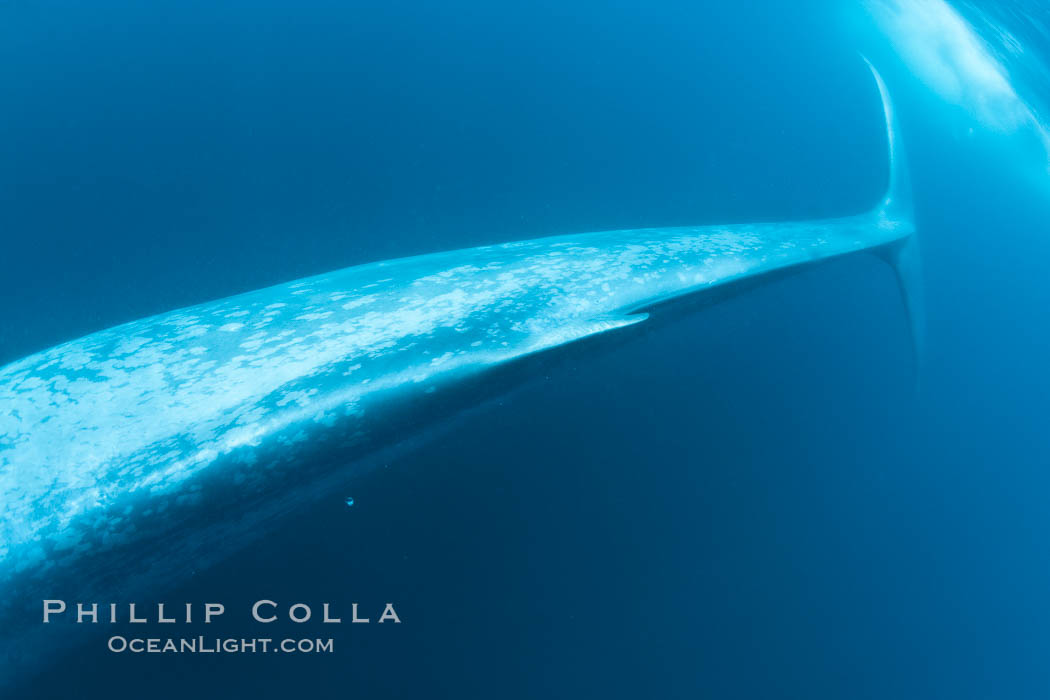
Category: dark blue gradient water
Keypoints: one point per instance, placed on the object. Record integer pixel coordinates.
(765, 500)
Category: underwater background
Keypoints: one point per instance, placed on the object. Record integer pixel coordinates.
(767, 499)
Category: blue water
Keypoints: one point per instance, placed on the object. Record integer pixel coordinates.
(765, 500)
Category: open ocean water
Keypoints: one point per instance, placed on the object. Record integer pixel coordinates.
(767, 499)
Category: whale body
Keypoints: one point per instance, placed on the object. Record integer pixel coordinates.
(137, 452)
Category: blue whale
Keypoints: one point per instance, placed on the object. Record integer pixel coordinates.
(135, 454)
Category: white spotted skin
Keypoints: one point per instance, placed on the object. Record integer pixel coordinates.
(153, 441)
(102, 426)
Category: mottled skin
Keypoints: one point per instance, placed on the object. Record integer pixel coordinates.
(134, 451)
(130, 417)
